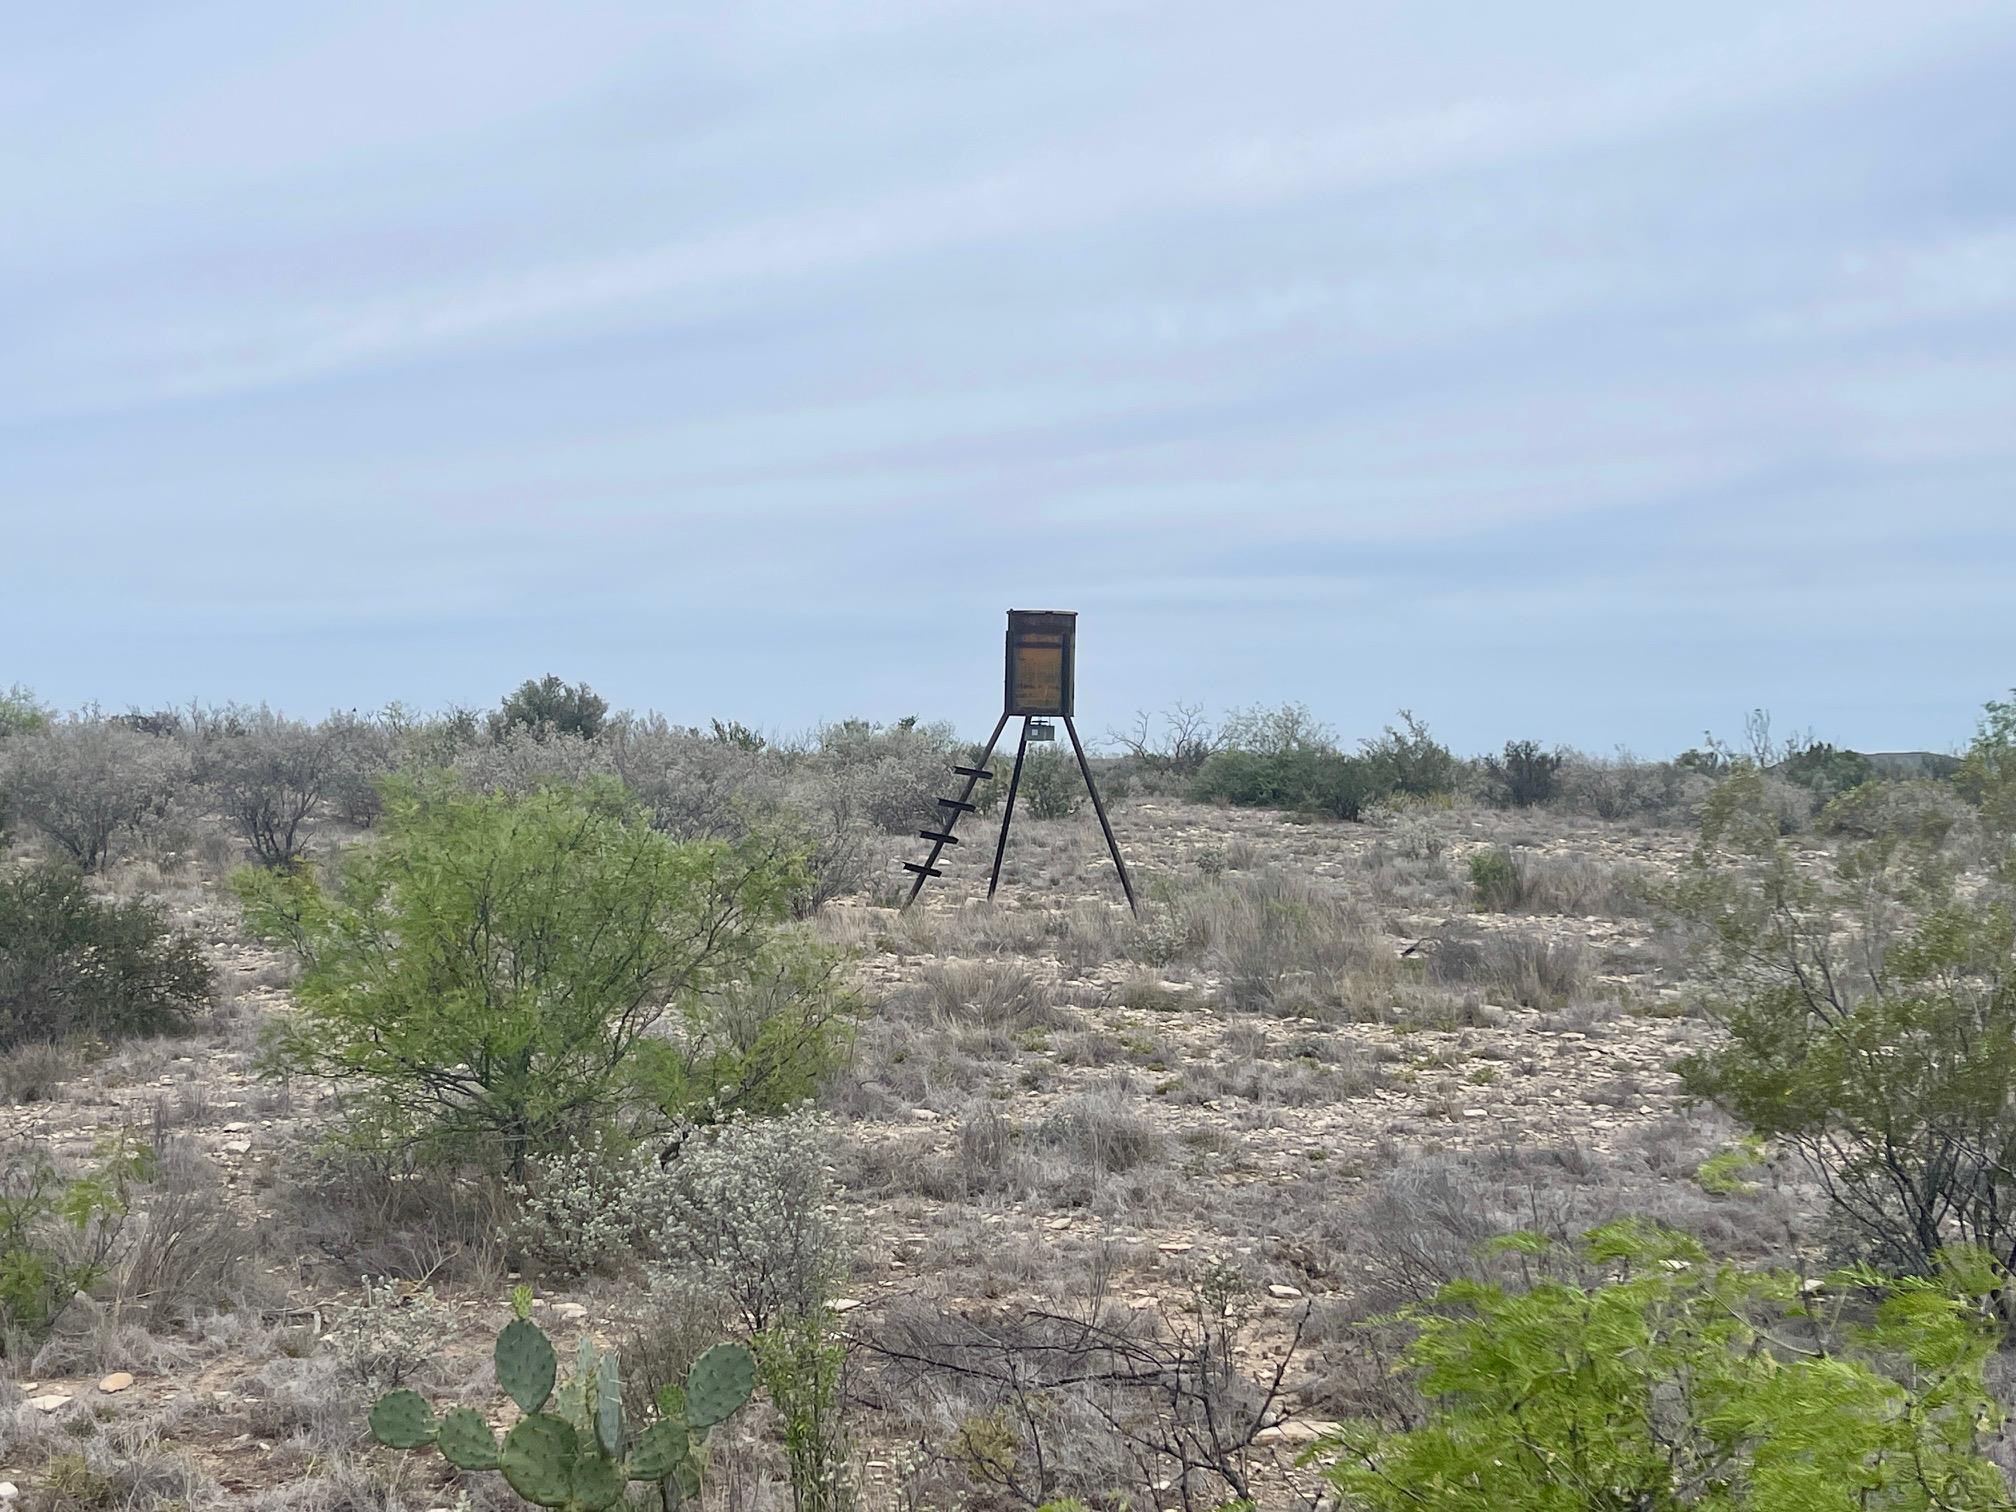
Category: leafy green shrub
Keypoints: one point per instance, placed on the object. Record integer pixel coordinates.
(574, 1447)
(72, 964)
(1303, 779)
(57, 1234)
(1051, 785)
(549, 706)
(1680, 1382)
(1987, 774)
(88, 783)
(1871, 1024)
(499, 976)
(1525, 775)
(1825, 770)
(21, 712)
(1409, 760)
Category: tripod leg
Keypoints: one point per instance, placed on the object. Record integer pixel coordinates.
(1008, 809)
(1099, 808)
(953, 818)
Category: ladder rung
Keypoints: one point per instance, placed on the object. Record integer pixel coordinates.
(960, 805)
(980, 772)
(943, 837)
(922, 871)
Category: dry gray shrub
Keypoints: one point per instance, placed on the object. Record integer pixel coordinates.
(1624, 787)
(383, 1340)
(748, 1212)
(265, 773)
(520, 760)
(362, 752)
(192, 1250)
(90, 784)
(887, 776)
(744, 1211)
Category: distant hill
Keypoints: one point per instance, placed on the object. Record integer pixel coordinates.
(1912, 763)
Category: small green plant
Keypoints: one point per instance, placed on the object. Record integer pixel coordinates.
(1722, 1174)
(1495, 879)
(21, 712)
(581, 1454)
(59, 1234)
(802, 1363)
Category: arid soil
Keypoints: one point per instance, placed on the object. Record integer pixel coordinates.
(1302, 1086)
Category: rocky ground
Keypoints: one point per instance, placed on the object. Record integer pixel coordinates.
(1300, 1087)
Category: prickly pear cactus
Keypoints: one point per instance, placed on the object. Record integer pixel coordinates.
(525, 1364)
(571, 1448)
(466, 1441)
(718, 1384)
(403, 1420)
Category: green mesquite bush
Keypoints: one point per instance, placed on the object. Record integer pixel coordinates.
(572, 1448)
(1680, 1382)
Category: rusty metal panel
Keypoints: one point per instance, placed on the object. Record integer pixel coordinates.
(1042, 657)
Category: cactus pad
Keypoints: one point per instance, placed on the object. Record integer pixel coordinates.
(659, 1451)
(719, 1382)
(609, 1406)
(598, 1483)
(525, 1365)
(403, 1420)
(466, 1441)
(538, 1460)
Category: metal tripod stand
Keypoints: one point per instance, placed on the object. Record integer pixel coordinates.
(954, 807)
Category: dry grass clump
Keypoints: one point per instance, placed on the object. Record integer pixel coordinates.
(985, 995)
(1508, 880)
(1104, 1132)
(1523, 966)
(1279, 943)
(34, 1072)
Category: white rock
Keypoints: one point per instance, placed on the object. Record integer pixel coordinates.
(55, 1401)
(8, 1491)
(569, 1312)
(238, 1147)
(843, 1304)
(1283, 1292)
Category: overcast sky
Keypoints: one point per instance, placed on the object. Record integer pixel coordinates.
(1568, 369)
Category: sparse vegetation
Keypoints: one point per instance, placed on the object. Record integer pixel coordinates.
(1078, 1185)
